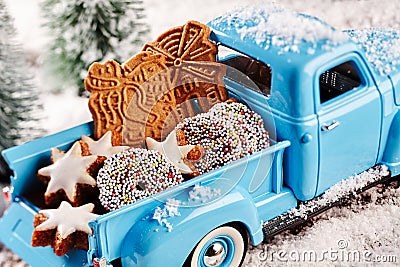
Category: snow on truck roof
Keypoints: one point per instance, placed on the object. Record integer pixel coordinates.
(270, 25)
(381, 47)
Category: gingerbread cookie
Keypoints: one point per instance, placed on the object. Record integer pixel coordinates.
(63, 228)
(70, 176)
(104, 146)
(189, 42)
(155, 111)
(157, 101)
(192, 84)
(112, 86)
(173, 153)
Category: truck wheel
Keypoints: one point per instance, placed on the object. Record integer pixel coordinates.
(223, 247)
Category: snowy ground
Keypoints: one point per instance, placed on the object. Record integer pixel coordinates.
(365, 232)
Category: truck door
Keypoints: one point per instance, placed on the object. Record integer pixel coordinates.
(349, 114)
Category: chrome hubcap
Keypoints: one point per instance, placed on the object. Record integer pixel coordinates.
(215, 254)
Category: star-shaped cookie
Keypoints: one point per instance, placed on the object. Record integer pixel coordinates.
(67, 171)
(63, 228)
(68, 219)
(173, 153)
(103, 146)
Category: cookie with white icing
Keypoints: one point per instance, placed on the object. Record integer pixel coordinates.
(173, 153)
(103, 146)
(63, 228)
(70, 177)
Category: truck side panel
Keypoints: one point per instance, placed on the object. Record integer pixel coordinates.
(147, 242)
(302, 172)
(17, 222)
(391, 156)
(395, 79)
(111, 235)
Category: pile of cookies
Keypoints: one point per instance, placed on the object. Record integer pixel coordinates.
(160, 118)
(143, 96)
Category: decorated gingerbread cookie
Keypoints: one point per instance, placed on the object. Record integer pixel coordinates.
(192, 76)
(103, 146)
(112, 86)
(70, 176)
(63, 228)
(173, 153)
(145, 97)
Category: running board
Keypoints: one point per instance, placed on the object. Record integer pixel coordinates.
(308, 209)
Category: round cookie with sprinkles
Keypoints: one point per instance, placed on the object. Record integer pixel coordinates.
(227, 132)
(132, 175)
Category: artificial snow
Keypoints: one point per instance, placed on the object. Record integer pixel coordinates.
(203, 193)
(381, 46)
(170, 209)
(345, 236)
(270, 25)
(347, 187)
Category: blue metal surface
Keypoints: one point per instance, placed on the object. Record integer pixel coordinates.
(395, 79)
(146, 243)
(315, 160)
(353, 146)
(142, 244)
(391, 157)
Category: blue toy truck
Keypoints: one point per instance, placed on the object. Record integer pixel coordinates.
(335, 107)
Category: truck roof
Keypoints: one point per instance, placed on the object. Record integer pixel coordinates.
(381, 47)
(268, 30)
(271, 27)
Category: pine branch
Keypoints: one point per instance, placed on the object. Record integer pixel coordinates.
(19, 103)
(88, 31)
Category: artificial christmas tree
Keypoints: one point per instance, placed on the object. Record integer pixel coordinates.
(19, 103)
(86, 31)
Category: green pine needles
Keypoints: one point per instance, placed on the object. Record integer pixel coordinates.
(20, 109)
(87, 31)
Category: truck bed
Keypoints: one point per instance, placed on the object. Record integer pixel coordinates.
(27, 198)
(110, 229)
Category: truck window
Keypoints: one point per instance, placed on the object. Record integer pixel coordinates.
(255, 72)
(338, 80)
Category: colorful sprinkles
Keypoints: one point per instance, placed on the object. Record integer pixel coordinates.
(227, 132)
(132, 175)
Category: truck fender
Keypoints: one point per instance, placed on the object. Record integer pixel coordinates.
(391, 155)
(150, 244)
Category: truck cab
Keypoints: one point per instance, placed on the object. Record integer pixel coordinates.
(324, 95)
